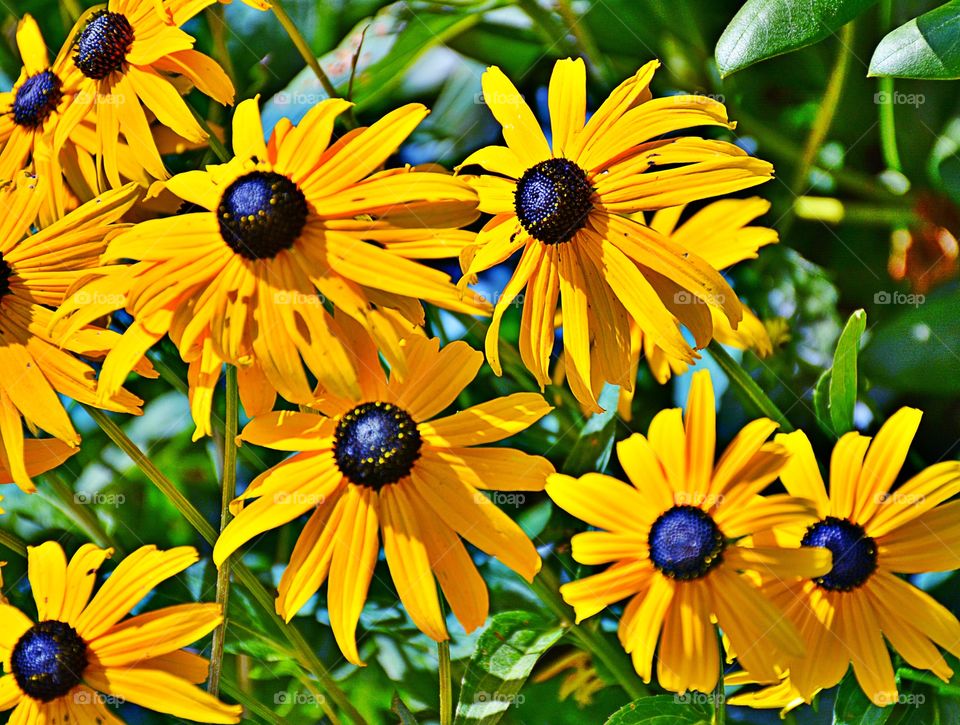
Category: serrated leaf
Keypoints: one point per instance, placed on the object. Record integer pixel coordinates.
(765, 28)
(925, 47)
(662, 710)
(843, 374)
(505, 654)
(592, 450)
(852, 707)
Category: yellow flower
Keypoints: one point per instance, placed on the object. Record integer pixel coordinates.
(78, 648)
(36, 270)
(781, 695)
(270, 238)
(381, 461)
(675, 542)
(568, 207)
(128, 56)
(875, 532)
(580, 677)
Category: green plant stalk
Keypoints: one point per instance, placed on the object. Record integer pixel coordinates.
(888, 128)
(545, 585)
(228, 491)
(821, 124)
(13, 543)
(218, 33)
(216, 145)
(749, 390)
(303, 47)
(240, 571)
(926, 678)
(446, 689)
(63, 498)
(586, 45)
(250, 704)
(719, 697)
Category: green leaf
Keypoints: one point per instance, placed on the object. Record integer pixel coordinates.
(821, 402)
(592, 450)
(505, 654)
(663, 710)
(402, 711)
(852, 707)
(911, 351)
(843, 374)
(765, 28)
(926, 47)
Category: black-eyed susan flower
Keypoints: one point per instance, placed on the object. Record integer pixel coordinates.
(876, 532)
(80, 652)
(674, 539)
(276, 235)
(780, 695)
(36, 270)
(129, 56)
(381, 463)
(568, 206)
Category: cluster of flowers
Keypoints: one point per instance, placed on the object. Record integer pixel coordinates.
(300, 261)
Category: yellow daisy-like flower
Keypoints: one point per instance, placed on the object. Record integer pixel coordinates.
(875, 532)
(32, 108)
(780, 695)
(129, 56)
(675, 541)
(379, 462)
(78, 648)
(281, 230)
(568, 207)
(36, 270)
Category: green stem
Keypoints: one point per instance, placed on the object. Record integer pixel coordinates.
(241, 572)
(13, 543)
(305, 51)
(216, 145)
(545, 586)
(888, 129)
(821, 124)
(550, 29)
(446, 689)
(925, 678)
(585, 42)
(749, 390)
(218, 33)
(250, 704)
(719, 697)
(228, 491)
(64, 498)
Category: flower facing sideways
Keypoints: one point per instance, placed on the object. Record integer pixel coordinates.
(78, 647)
(876, 532)
(382, 463)
(675, 542)
(567, 207)
(269, 241)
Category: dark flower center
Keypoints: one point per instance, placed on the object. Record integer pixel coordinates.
(48, 660)
(261, 214)
(854, 553)
(685, 543)
(36, 99)
(553, 200)
(103, 44)
(6, 272)
(376, 444)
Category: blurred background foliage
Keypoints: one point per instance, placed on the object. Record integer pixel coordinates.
(868, 179)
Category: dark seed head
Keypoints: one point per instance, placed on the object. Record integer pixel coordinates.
(261, 214)
(553, 200)
(36, 99)
(48, 660)
(685, 543)
(103, 45)
(854, 553)
(376, 444)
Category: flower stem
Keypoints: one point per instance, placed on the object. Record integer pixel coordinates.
(64, 498)
(304, 49)
(13, 543)
(545, 585)
(446, 689)
(749, 390)
(228, 491)
(241, 572)
(926, 678)
(719, 698)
